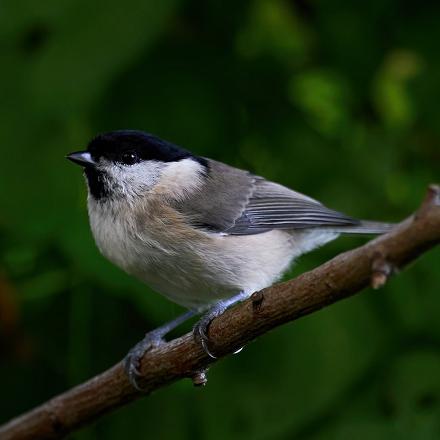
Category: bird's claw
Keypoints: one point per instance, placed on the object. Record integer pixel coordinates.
(132, 362)
(200, 332)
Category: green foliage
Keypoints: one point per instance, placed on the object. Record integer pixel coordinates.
(335, 99)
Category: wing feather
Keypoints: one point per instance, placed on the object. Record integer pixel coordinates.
(272, 206)
(236, 202)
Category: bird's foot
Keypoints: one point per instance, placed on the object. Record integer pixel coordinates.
(132, 361)
(201, 328)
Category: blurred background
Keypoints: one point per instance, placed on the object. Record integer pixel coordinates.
(339, 100)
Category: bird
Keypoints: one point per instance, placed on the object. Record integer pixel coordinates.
(204, 234)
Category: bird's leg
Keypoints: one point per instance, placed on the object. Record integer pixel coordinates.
(201, 328)
(152, 339)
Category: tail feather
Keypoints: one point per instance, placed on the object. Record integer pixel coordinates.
(365, 227)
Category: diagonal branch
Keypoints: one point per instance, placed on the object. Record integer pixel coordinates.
(339, 278)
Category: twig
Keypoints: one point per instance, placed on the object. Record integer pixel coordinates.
(381, 271)
(339, 278)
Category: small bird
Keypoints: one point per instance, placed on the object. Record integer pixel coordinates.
(204, 234)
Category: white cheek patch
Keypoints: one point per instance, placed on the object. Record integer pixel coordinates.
(179, 179)
(133, 180)
(173, 180)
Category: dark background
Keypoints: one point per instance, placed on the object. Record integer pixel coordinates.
(338, 99)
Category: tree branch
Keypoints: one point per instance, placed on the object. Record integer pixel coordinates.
(339, 278)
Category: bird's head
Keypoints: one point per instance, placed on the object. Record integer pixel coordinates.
(131, 163)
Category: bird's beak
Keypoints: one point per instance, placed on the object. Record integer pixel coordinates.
(82, 158)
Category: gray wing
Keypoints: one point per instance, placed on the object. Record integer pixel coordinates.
(236, 202)
(273, 206)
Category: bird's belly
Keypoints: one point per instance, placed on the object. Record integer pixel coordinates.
(183, 283)
(199, 273)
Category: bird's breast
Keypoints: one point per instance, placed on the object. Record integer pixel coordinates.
(155, 245)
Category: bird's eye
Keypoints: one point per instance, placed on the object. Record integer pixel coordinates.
(129, 158)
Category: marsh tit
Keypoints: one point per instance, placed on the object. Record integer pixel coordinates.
(198, 231)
